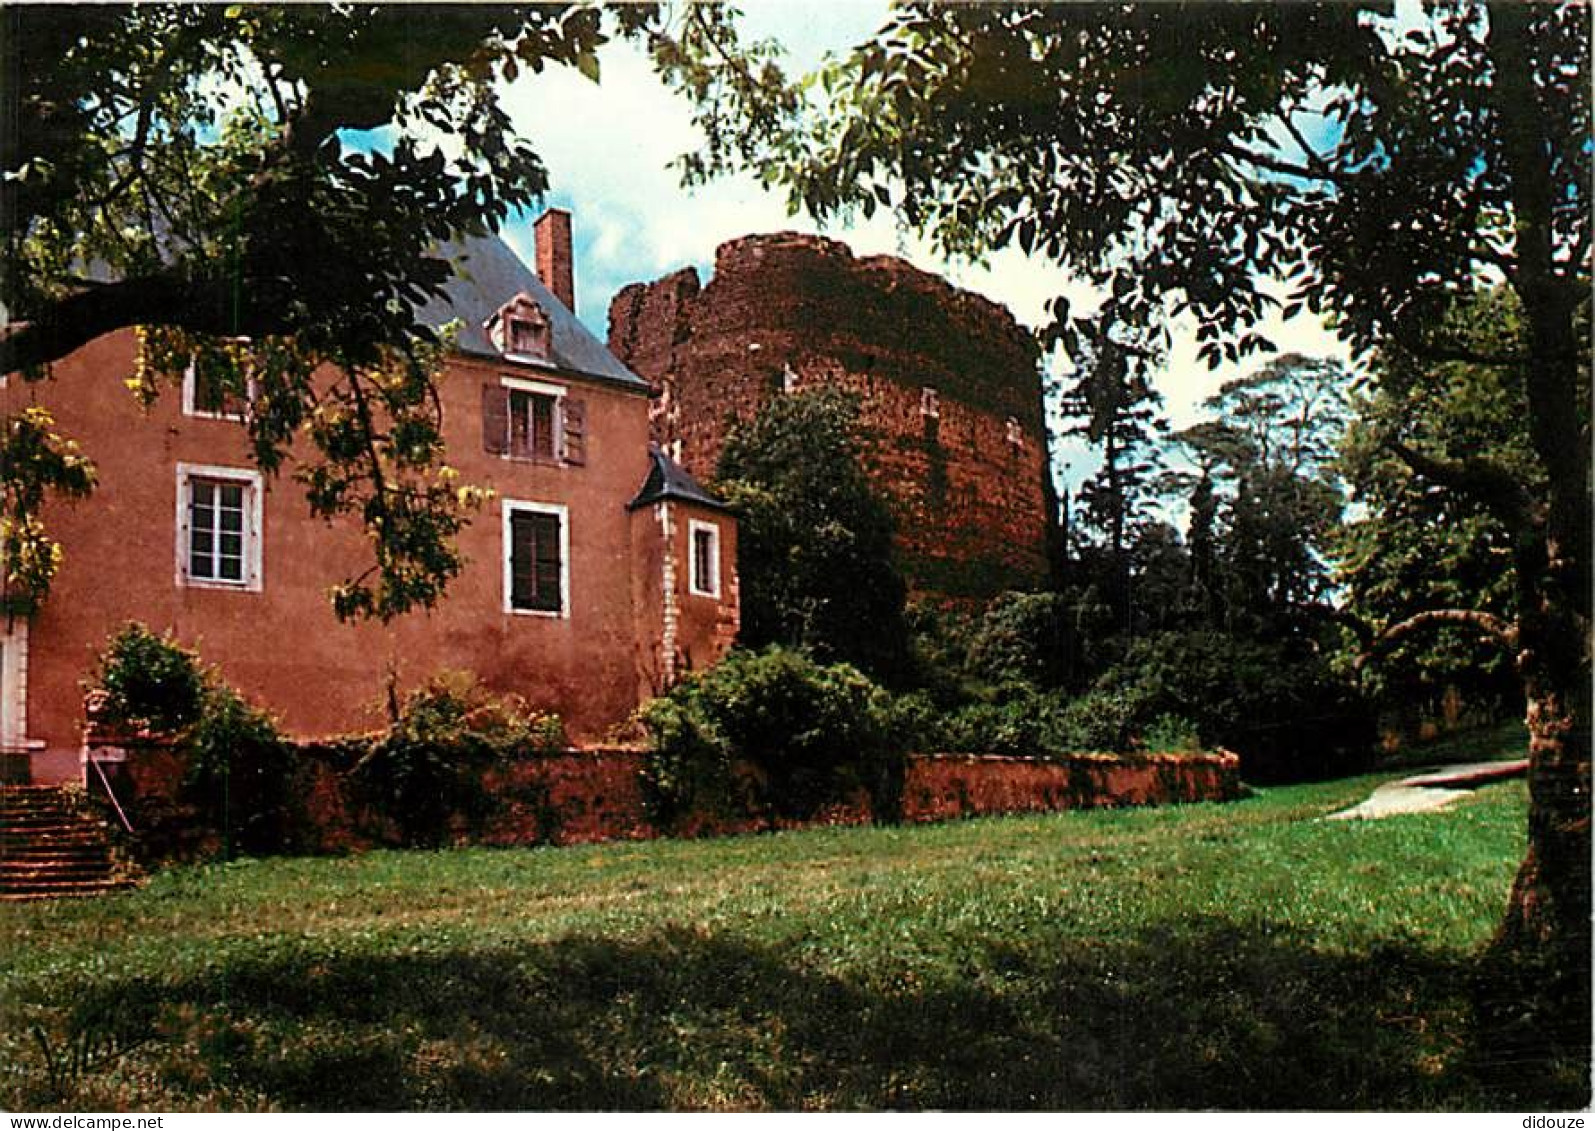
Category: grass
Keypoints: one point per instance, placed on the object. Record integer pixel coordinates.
(1237, 956)
(1509, 739)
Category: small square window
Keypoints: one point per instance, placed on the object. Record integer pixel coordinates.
(218, 521)
(208, 395)
(536, 559)
(704, 571)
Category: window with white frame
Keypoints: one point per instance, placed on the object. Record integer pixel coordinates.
(14, 685)
(208, 394)
(533, 420)
(218, 527)
(929, 402)
(704, 571)
(536, 558)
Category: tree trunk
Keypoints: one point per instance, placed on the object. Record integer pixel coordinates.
(1536, 1008)
(1547, 924)
(1549, 910)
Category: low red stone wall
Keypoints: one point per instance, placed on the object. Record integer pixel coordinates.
(585, 796)
(940, 787)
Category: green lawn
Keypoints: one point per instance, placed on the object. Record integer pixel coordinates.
(1243, 955)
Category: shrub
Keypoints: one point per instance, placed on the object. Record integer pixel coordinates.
(814, 543)
(240, 769)
(150, 681)
(428, 767)
(1276, 704)
(1026, 724)
(1102, 720)
(241, 773)
(1034, 638)
(1022, 727)
(1171, 734)
(809, 734)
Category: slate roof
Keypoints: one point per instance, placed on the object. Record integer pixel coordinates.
(667, 479)
(487, 274)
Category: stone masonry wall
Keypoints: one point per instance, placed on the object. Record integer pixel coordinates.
(787, 312)
(596, 795)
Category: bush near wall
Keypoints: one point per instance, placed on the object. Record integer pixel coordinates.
(771, 733)
(766, 740)
(1277, 704)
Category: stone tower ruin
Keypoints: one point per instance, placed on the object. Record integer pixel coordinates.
(948, 380)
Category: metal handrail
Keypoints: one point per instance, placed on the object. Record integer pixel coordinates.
(111, 793)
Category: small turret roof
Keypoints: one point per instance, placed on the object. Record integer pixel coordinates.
(667, 479)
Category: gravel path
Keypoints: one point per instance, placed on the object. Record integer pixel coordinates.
(1432, 789)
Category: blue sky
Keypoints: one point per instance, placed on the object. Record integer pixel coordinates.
(608, 148)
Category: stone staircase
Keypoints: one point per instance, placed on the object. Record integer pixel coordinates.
(49, 848)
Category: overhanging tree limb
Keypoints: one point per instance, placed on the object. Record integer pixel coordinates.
(1487, 625)
(1496, 488)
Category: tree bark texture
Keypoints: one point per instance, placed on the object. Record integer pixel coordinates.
(1549, 912)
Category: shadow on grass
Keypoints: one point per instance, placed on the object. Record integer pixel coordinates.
(1207, 1018)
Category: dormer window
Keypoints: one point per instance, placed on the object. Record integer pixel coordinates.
(520, 330)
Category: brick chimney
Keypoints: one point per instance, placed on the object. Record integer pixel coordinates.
(554, 267)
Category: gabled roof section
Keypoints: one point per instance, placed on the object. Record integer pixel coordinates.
(487, 274)
(667, 480)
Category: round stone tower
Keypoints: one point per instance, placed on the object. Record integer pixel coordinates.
(949, 383)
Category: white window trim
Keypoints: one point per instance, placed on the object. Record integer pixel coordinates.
(507, 547)
(526, 385)
(529, 359)
(694, 527)
(929, 402)
(14, 688)
(189, 409)
(541, 389)
(254, 526)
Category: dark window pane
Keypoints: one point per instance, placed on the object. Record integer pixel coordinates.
(703, 559)
(216, 540)
(534, 561)
(520, 422)
(208, 395)
(542, 427)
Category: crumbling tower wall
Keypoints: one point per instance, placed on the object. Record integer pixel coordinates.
(949, 384)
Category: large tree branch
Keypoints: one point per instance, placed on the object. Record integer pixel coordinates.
(1487, 625)
(164, 299)
(1490, 484)
(1430, 349)
(1279, 165)
(1314, 158)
